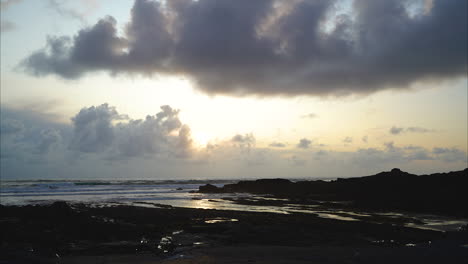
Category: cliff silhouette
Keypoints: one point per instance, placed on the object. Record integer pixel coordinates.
(439, 193)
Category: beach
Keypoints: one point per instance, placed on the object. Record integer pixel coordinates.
(355, 220)
(79, 233)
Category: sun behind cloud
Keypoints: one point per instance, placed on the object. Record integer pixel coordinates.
(201, 139)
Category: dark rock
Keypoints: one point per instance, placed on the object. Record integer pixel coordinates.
(440, 193)
(209, 188)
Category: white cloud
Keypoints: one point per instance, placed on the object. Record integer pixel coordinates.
(161, 134)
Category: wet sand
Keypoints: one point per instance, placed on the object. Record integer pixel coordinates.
(80, 233)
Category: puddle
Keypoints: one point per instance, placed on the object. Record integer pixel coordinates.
(221, 220)
(439, 224)
(336, 217)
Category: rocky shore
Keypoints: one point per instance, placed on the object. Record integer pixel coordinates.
(80, 233)
(440, 193)
(362, 226)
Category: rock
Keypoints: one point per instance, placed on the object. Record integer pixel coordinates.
(439, 193)
(209, 188)
(61, 209)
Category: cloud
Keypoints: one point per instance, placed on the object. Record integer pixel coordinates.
(266, 48)
(320, 154)
(450, 154)
(365, 139)
(277, 145)
(348, 140)
(35, 145)
(419, 130)
(6, 25)
(162, 134)
(391, 154)
(395, 154)
(240, 149)
(398, 130)
(11, 126)
(5, 4)
(77, 10)
(60, 7)
(296, 161)
(50, 138)
(390, 145)
(28, 137)
(93, 130)
(304, 143)
(244, 141)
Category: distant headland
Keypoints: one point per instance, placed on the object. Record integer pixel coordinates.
(439, 193)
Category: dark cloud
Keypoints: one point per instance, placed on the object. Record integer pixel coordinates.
(266, 48)
(398, 130)
(244, 141)
(304, 143)
(95, 48)
(277, 145)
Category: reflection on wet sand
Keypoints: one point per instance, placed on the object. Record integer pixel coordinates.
(229, 202)
(236, 202)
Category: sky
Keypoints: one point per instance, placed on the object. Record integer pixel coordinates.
(182, 89)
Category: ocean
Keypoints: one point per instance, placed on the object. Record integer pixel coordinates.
(175, 193)
(150, 193)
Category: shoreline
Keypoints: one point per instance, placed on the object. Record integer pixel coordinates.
(439, 193)
(129, 234)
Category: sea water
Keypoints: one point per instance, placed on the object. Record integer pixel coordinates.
(44, 191)
(149, 193)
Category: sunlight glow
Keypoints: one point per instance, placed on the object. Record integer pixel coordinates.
(201, 139)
